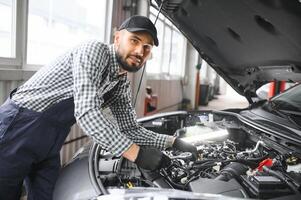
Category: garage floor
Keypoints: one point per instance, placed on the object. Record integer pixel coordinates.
(230, 100)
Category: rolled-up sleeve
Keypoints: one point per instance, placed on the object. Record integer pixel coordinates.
(88, 100)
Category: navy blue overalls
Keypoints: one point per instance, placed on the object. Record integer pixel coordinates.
(30, 144)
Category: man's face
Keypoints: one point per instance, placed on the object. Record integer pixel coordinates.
(132, 49)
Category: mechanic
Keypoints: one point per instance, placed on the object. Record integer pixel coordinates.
(37, 117)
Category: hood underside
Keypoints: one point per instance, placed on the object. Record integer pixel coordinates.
(247, 42)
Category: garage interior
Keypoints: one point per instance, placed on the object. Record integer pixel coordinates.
(33, 32)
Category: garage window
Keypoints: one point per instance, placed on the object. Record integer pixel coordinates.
(7, 28)
(169, 57)
(34, 32)
(55, 26)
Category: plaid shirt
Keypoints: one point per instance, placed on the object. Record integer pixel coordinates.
(89, 73)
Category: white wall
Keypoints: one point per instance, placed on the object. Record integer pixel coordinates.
(192, 58)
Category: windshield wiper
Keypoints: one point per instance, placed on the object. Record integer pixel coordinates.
(274, 106)
(284, 105)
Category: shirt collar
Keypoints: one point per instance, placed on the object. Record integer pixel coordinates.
(114, 69)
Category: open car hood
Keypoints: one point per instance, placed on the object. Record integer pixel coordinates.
(247, 42)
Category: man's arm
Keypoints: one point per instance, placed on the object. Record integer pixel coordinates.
(132, 153)
(126, 119)
(88, 100)
(127, 122)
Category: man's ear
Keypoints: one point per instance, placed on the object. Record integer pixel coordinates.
(117, 37)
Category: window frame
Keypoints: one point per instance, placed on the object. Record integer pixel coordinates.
(20, 20)
(17, 68)
(167, 75)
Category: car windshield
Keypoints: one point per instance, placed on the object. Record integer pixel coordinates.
(287, 105)
(289, 100)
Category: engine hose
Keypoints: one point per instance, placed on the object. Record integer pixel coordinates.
(259, 143)
(204, 166)
(156, 178)
(253, 163)
(211, 163)
(204, 161)
(233, 170)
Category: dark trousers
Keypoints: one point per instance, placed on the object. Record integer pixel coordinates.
(30, 143)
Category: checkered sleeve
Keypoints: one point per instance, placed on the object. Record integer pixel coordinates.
(126, 118)
(88, 100)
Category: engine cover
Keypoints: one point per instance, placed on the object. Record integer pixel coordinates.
(231, 188)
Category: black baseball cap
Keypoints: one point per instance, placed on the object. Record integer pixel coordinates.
(140, 23)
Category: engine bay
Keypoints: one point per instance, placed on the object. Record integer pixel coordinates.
(234, 159)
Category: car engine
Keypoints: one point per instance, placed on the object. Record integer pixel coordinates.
(233, 160)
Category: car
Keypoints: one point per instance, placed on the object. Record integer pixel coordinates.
(243, 153)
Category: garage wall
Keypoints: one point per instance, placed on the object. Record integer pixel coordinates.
(6, 87)
(76, 139)
(192, 59)
(169, 94)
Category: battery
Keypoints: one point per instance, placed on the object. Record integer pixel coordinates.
(265, 186)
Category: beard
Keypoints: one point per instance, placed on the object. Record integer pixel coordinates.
(124, 65)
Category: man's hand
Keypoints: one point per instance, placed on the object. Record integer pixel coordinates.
(152, 159)
(185, 147)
